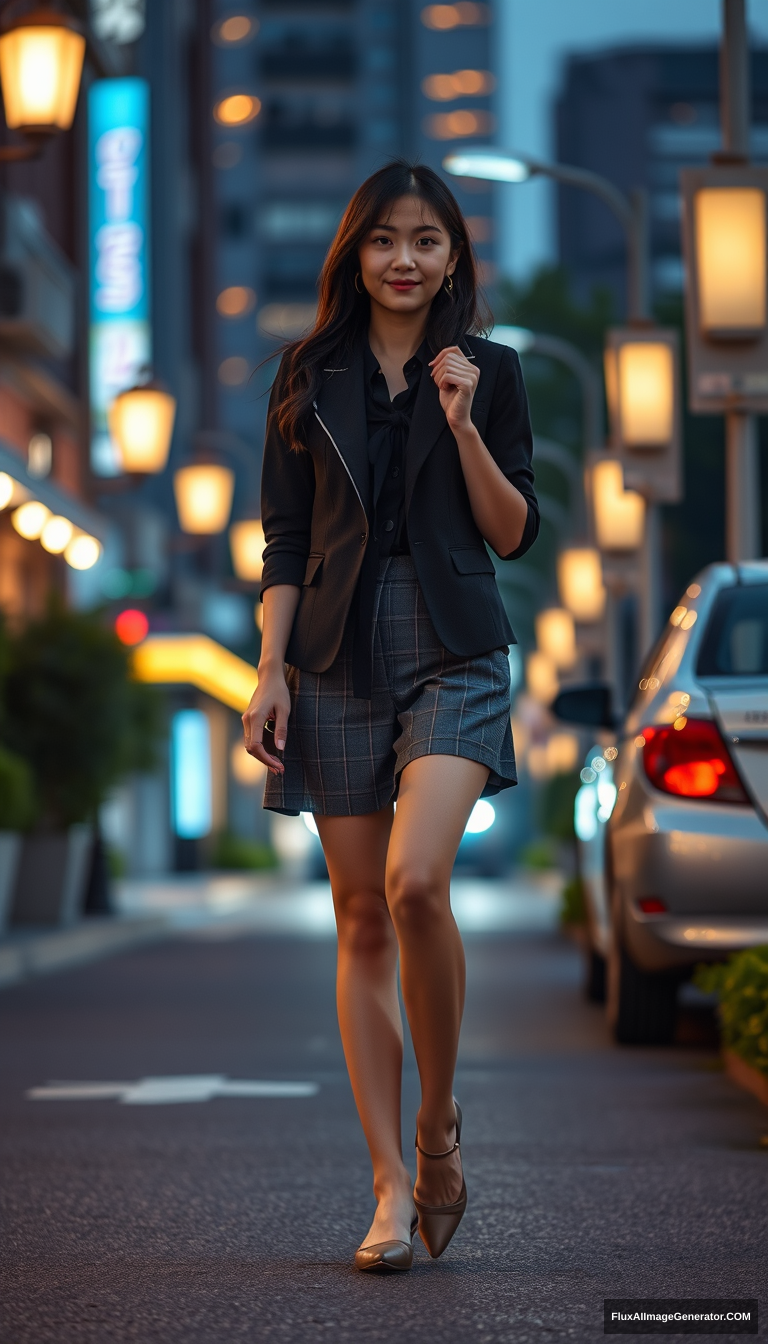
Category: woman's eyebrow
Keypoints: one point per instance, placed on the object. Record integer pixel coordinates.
(391, 228)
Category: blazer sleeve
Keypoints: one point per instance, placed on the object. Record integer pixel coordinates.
(509, 440)
(287, 498)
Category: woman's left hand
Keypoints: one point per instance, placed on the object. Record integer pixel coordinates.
(456, 380)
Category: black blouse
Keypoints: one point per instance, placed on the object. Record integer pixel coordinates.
(389, 424)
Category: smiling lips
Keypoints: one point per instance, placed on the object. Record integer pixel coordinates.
(403, 284)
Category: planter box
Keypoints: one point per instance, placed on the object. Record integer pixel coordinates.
(744, 1075)
(52, 876)
(10, 853)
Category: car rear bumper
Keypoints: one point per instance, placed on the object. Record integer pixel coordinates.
(708, 864)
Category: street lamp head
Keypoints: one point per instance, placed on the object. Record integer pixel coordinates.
(619, 513)
(519, 338)
(41, 61)
(246, 543)
(204, 493)
(141, 423)
(580, 582)
(556, 636)
(730, 236)
(491, 165)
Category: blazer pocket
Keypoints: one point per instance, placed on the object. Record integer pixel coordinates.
(313, 565)
(471, 560)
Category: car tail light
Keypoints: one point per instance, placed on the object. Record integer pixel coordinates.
(652, 905)
(690, 758)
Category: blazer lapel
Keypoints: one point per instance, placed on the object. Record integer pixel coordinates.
(341, 409)
(427, 425)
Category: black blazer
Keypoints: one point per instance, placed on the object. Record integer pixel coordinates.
(315, 507)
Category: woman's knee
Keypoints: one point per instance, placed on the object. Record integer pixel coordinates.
(416, 897)
(363, 923)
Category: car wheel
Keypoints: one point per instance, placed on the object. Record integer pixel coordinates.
(642, 1005)
(595, 977)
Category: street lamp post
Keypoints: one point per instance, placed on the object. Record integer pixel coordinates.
(632, 212)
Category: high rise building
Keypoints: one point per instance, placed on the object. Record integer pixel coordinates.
(637, 116)
(307, 98)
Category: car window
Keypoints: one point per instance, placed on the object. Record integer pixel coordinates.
(735, 641)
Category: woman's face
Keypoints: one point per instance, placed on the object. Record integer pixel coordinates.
(404, 260)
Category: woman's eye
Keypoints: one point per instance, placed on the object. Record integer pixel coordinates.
(383, 239)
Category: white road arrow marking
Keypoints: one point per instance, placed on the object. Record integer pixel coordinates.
(172, 1090)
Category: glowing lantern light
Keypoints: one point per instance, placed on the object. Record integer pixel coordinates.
(237, 110)
(556, 636)
(646, 393)
(56, 534)
(131, 626)
(204, 497)
(730, 238)
(82, 552)
(246, 542)
(245, 768)
(141, 423)
(580, 582)
(541, 677)
(619, 513)
(6, 489)
(30, 519)
(41, 61)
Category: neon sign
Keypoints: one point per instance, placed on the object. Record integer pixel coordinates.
(120, 329)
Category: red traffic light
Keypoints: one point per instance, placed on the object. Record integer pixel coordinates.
(131, 626)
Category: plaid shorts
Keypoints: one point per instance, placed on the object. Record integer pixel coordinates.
(343, 755)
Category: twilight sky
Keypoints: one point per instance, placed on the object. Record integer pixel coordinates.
(535, 37)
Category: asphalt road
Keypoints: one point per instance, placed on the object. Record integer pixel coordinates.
(593, 1172)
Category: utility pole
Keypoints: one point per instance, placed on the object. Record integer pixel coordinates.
(742, 470)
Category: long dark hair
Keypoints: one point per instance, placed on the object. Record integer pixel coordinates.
(342, 312)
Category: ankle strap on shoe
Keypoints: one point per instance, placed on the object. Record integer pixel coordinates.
(447, 1152)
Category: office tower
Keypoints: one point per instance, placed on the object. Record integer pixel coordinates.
(637, 116)
(308, 98)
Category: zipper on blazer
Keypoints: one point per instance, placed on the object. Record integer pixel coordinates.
(344, 464)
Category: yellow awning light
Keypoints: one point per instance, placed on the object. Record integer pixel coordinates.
(57, 534)
(196, 660)
(83, 551)
(30, 519)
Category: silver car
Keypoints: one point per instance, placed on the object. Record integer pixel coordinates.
(672, 821)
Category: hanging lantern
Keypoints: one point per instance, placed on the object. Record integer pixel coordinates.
(619, 514)
(556, 636)
(141, 423)
(246, 542)
(41, 61)
(541, 677)
(580, 583)
(204, 497)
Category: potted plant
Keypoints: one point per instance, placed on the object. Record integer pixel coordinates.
(741, 985)
(75, 716)
(17, 813)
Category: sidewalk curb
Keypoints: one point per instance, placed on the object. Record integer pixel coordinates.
(25, 955)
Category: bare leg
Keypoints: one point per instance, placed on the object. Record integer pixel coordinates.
(437, 794)
(369, 1012)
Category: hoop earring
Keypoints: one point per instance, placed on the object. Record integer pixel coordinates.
(448, 286)
(360, 288)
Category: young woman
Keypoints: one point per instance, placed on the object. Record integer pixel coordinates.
(398, 443)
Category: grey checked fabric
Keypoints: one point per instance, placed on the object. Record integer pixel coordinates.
(343, 755)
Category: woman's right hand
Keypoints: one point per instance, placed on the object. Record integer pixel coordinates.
(270, 700)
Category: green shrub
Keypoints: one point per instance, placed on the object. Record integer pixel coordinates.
(539, 854)
(235, 852)
(17, 794)
(741, 985)
(74, 714)
(572, 907)
(554, 809)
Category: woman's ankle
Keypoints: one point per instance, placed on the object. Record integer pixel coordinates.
(436, 1131)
